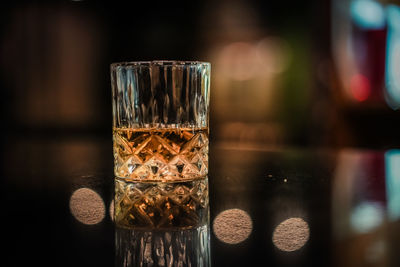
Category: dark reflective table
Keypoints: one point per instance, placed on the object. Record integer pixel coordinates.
(278, 207)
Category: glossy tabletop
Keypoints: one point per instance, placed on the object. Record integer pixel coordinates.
(269, 207)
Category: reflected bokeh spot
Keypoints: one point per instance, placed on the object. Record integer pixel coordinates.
(366, 216)
(291, 234)
(232, 226)
(392, 170)
(87, 206)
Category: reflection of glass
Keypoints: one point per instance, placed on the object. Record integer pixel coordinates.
(186, 247)
(166, 247)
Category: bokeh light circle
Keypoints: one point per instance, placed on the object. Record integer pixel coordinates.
(232, 226)
(291, 234)
(87, 206)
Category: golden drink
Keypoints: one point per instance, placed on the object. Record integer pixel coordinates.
(161, 177)
(169, 154)
(161, 205)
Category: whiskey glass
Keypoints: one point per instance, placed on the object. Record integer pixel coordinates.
(160, 142)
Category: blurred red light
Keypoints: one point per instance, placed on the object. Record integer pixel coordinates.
(360, 87)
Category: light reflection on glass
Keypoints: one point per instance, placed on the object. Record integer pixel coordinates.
(232, 226)
(392, 167)
(291, 234)
(87, 206)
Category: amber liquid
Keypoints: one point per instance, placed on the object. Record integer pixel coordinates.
(161, 205)
(170, 154)
(161, 177)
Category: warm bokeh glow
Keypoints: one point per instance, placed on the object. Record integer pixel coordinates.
(243, 61)
(291, 234)
(232, 226)
(87, 206)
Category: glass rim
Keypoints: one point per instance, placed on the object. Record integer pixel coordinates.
(159, 63)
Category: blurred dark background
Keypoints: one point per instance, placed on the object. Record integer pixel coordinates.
(284, 73)
(277, 75)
